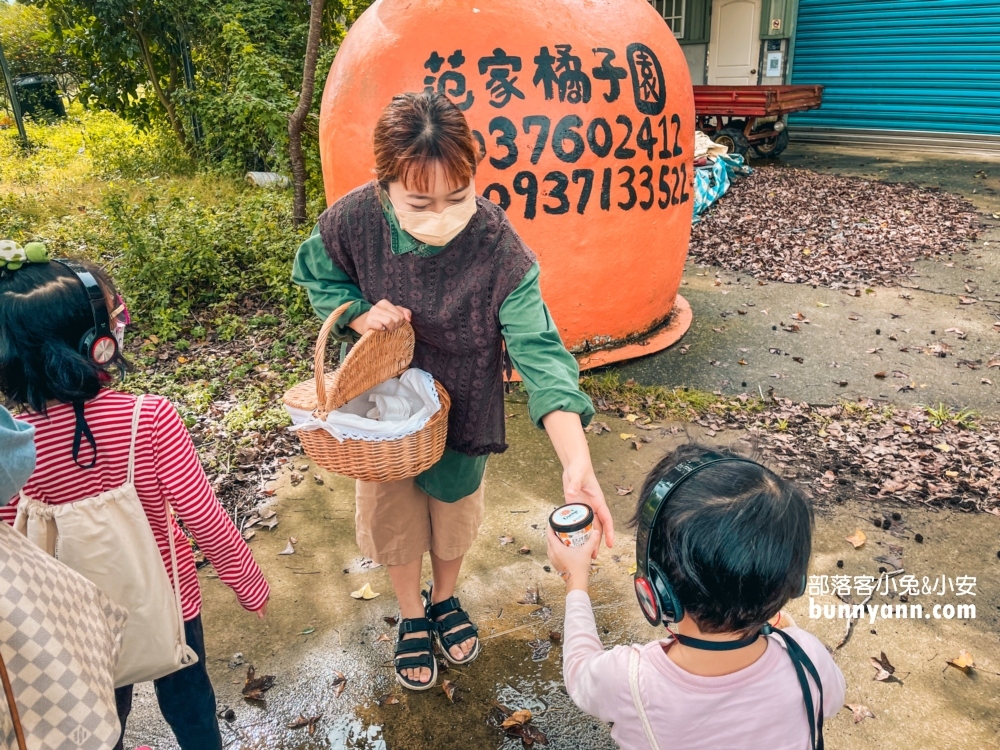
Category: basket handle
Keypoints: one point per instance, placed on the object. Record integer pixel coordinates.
(320, 358)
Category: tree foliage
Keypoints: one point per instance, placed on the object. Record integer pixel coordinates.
(31, 47)
(224, 76)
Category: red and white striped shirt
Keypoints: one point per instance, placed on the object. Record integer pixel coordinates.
(166, 468)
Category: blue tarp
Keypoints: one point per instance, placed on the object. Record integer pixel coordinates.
(712, 181)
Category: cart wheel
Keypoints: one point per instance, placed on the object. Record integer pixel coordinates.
(732, 139)
(770, 148)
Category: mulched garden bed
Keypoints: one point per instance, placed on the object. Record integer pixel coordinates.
(798, 226)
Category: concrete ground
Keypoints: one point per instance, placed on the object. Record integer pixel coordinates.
(834, 346)
(315, 630)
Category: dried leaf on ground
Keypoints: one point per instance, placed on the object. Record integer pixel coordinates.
(449, 689)
(388, 699)
(289, 548)
(505, 540)
(883, 669)
(338, 684)
(597, 428)
(626, 436)
(255, 687)
(619, 490)
(857, 538)
(524, 551)
(963, 661)
(517, 718)
(365, 592)
(860, 712)
(390, 620)
(305, 721)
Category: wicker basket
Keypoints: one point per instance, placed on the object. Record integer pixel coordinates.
(377, 357)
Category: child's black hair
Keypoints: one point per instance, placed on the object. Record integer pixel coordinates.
(734, 540)
(44, 313)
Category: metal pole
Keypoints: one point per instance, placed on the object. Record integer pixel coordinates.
(14, 103)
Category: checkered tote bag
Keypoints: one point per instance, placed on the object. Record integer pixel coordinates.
(60, 637)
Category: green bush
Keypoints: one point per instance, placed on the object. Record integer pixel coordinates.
(177, 256)
(178, 246)
(119, 150)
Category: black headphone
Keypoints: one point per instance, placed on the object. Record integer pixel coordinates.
(97, 344)
(660, 604)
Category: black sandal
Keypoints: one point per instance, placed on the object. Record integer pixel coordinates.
(452, 616)
(423, 647)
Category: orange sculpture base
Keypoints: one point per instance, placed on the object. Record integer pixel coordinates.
(664, 336)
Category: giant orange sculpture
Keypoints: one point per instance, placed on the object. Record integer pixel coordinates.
(584, 114)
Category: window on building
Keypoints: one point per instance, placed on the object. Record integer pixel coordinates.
(672, 12)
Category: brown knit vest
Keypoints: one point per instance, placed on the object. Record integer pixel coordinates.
(455, 298)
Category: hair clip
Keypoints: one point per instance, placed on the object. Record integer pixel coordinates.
(13, 256)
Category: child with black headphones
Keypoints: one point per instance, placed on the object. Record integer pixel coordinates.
(113, 470)
(722, 544)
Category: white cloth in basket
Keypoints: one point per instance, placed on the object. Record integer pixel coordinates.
(351, 421)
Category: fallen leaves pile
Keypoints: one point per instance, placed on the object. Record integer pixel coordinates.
(863, 448)
(883, 452)
(229, 394)
(795, 225)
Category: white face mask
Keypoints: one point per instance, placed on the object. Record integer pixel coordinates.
(437, 229)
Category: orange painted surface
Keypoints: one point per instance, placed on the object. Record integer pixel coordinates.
(605, 198)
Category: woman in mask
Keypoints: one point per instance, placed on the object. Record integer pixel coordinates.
(419, 245)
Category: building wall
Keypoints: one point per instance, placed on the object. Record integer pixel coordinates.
(697, 60)
(905, 65)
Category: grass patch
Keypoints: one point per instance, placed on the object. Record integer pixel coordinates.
(611, 393)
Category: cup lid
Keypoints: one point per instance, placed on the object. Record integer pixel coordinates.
(571, 517)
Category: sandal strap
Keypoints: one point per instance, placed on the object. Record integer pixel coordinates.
(434, 611)
(414, 662)
(413, 645)
(458, 636)
(453, 620)
(415, 625)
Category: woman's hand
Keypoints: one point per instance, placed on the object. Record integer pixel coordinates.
(573, 563)
(580, 485)
(384, 316)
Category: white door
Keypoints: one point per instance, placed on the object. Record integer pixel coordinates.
(734, 47)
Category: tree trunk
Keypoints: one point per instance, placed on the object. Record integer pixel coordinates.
(161, 95)
(297, 119)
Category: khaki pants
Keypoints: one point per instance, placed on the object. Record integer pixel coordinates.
(397, 522)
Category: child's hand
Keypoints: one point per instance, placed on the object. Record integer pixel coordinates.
(384, 316)
(573, 563)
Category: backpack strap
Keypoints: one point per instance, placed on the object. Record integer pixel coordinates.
(633, 684)
(175, 575)
(12, 706)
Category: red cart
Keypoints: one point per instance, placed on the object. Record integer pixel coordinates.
(741, 117)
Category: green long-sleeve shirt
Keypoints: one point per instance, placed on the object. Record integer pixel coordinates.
(549, 372)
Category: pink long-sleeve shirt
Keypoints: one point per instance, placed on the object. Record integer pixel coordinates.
(760, 706)
(166, 469)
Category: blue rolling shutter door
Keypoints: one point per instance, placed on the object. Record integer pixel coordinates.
(911, 65)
